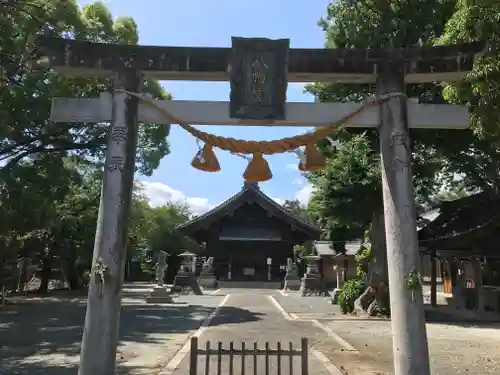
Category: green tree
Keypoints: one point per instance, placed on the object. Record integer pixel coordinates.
(296, 208)
(478, 163)
(164, 236)
(30, 194)
(348, 199)
(28, 84)
(49, 183)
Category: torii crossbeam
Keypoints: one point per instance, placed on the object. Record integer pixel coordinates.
(420, 116)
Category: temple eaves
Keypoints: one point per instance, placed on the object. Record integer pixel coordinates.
(422, 64)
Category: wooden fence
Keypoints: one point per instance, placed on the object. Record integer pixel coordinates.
(243, 353)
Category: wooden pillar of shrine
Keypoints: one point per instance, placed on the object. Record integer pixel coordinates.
(433, 278)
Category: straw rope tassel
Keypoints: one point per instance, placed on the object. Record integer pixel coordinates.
(258, 169)
(205, 160)
(313, 160)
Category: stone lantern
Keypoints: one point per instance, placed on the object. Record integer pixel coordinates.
(292, 279)
(185, 278)
(312, 282)
(207, 277)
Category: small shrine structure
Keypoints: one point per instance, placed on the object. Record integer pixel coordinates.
(460, 246)
(249, 235)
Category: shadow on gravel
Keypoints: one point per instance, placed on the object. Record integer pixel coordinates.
(42, 335)
(55, 330)
(234, 315)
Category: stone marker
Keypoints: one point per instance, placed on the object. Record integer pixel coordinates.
(207, 277)
(292, 279)
(160, 294)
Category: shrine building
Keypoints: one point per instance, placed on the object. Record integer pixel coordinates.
(250, 236)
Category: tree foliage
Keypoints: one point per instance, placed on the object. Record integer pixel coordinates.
(478, 162)
(28, 84)
(53, 220)
(51, 173)
(347, 198)
(297, 208)
(348, 192)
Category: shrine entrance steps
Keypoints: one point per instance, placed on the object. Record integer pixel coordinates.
(227, 284)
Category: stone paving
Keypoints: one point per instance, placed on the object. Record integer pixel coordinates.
(250, 316)
(42, 335)
(310, 307)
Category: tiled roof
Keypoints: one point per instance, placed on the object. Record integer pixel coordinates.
(252, 192)
(463, 216)
(325, 248)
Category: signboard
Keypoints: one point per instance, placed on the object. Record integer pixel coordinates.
(249, 234)
(258, 76)
(249, 271)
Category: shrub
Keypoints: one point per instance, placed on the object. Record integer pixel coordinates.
(351, 290)
(363, 259)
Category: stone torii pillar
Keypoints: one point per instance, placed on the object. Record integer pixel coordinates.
(389, 69)
(100, 333)
(411, 352)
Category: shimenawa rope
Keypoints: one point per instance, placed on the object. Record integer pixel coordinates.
(239, 146)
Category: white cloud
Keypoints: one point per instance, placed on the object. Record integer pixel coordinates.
(298, 181)
(304, 194)
(292, 166)
(278, 200)
(160, 194)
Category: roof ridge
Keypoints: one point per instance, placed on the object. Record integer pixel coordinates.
(252, 189)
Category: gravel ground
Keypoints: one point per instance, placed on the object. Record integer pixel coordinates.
(294, 304)
(41, 336)
(454, 349)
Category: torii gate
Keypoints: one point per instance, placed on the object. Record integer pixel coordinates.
(389, 69)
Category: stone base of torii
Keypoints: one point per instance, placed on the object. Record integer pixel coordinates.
(159, 294)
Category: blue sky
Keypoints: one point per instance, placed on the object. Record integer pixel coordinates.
(212, 23)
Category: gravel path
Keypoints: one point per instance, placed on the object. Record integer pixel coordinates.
(453, 349)
(41, 336)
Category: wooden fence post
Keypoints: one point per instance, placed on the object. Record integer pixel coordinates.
(220, 352)
(304, 356)
(193, 356)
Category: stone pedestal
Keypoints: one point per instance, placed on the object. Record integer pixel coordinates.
(312, 284)
(207, 278)
(292, 279)
(185, 279)
(335, 296)
(159, 294)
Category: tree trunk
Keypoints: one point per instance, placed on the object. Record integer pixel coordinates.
(378, 277)
(375, 299)
(72, 276)
(72, 270)
(45, 275)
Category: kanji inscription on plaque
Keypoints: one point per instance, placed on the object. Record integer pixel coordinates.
(258, 75)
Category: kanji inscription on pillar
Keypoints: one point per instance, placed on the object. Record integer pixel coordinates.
(258, 75)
